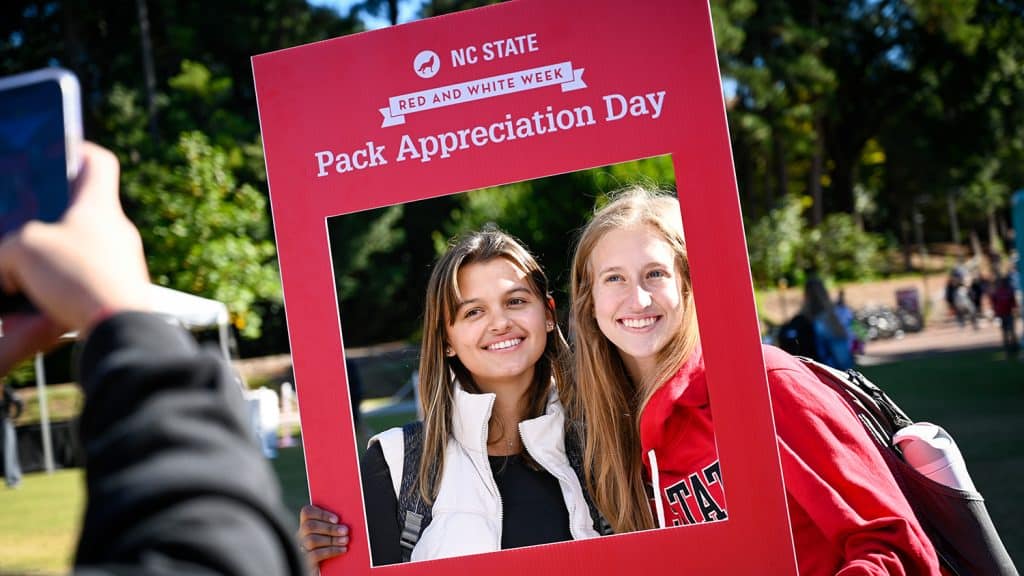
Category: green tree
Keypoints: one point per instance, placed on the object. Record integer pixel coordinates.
(203, 232)
(905, 102)
(183, 126)
(195, 200)
(775, 242)
(841, 250)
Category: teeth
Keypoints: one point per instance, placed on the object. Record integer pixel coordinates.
(639, 322)
(505, 344)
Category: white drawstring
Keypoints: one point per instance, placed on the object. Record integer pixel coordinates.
(658, 504)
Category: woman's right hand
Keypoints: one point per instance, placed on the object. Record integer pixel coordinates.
(321, 536)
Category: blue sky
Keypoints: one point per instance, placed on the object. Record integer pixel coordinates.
(406, 11)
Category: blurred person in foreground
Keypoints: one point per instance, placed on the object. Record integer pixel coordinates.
(175, 484)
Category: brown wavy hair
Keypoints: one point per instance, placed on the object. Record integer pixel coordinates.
(608, 400)
(438, 372)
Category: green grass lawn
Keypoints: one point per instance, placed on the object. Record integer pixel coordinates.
(977, 396)
(39, 523)
(291, 473)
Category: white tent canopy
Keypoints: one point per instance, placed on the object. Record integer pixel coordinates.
(193, 312)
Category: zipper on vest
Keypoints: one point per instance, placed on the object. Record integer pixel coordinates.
(490, 475)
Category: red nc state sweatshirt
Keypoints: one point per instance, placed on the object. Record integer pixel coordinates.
(847, 514)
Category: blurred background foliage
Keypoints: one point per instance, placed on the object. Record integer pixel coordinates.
(860, 129)
(381, 298)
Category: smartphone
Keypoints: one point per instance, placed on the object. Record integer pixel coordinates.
(40, 140)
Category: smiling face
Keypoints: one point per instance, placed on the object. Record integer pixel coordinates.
(637, 294)
(499, 329)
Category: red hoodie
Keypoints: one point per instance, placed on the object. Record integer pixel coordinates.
(847, 514)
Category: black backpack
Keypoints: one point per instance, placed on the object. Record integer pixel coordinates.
(956, 521)
(414, 514)
(797, 337)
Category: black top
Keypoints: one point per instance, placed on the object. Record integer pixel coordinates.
(534, 511)
(175, 483)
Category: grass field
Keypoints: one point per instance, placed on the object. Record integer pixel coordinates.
(977, 396)
(39, 523)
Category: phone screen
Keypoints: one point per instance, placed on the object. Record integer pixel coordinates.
(33, 155)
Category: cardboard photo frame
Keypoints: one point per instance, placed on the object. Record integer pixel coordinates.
(428, 109)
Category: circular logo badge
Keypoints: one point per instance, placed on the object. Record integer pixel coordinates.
(426, 64)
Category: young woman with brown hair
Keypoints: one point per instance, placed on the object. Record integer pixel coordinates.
(494, 467)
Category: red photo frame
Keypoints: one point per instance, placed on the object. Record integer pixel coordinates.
(427, 109)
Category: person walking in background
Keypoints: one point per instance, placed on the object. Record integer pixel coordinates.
(817, 332)
(950, 293)
(959, 300)
(977, 291)
(1004, 306)
(832, 339)
(845, 316)
(10, 409)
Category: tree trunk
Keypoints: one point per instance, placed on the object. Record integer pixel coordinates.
(817, 161)
(817, 158)
(75, 54)
(995, 244)
(755, 205)
(919, 237)
(843, 148)
(975, 244)
(393, 12)
(842, 182)
(906, 246)
(148, 71)
(954, 223)
(1004, 231)
(72, 44)
(779, 152)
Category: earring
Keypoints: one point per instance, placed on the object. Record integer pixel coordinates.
(448, 351)
(550, 325)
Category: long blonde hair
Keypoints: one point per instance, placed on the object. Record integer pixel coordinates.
(604, 395)
(438, 372)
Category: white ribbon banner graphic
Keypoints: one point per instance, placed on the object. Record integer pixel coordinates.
(553, 74)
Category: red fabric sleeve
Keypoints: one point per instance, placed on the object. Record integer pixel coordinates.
(845, 505)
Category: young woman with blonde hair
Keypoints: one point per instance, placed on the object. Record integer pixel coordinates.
(641, 385)
(494, 468)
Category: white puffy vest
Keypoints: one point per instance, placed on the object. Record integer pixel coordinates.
(467, 512)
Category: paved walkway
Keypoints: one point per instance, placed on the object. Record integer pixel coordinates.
(938, 337)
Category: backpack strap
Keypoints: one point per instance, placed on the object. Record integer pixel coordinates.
(873, 407)
(956, 522)
(574, 434)
(413, 513)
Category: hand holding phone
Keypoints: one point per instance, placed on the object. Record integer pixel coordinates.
(40, 138)
(78, 270)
